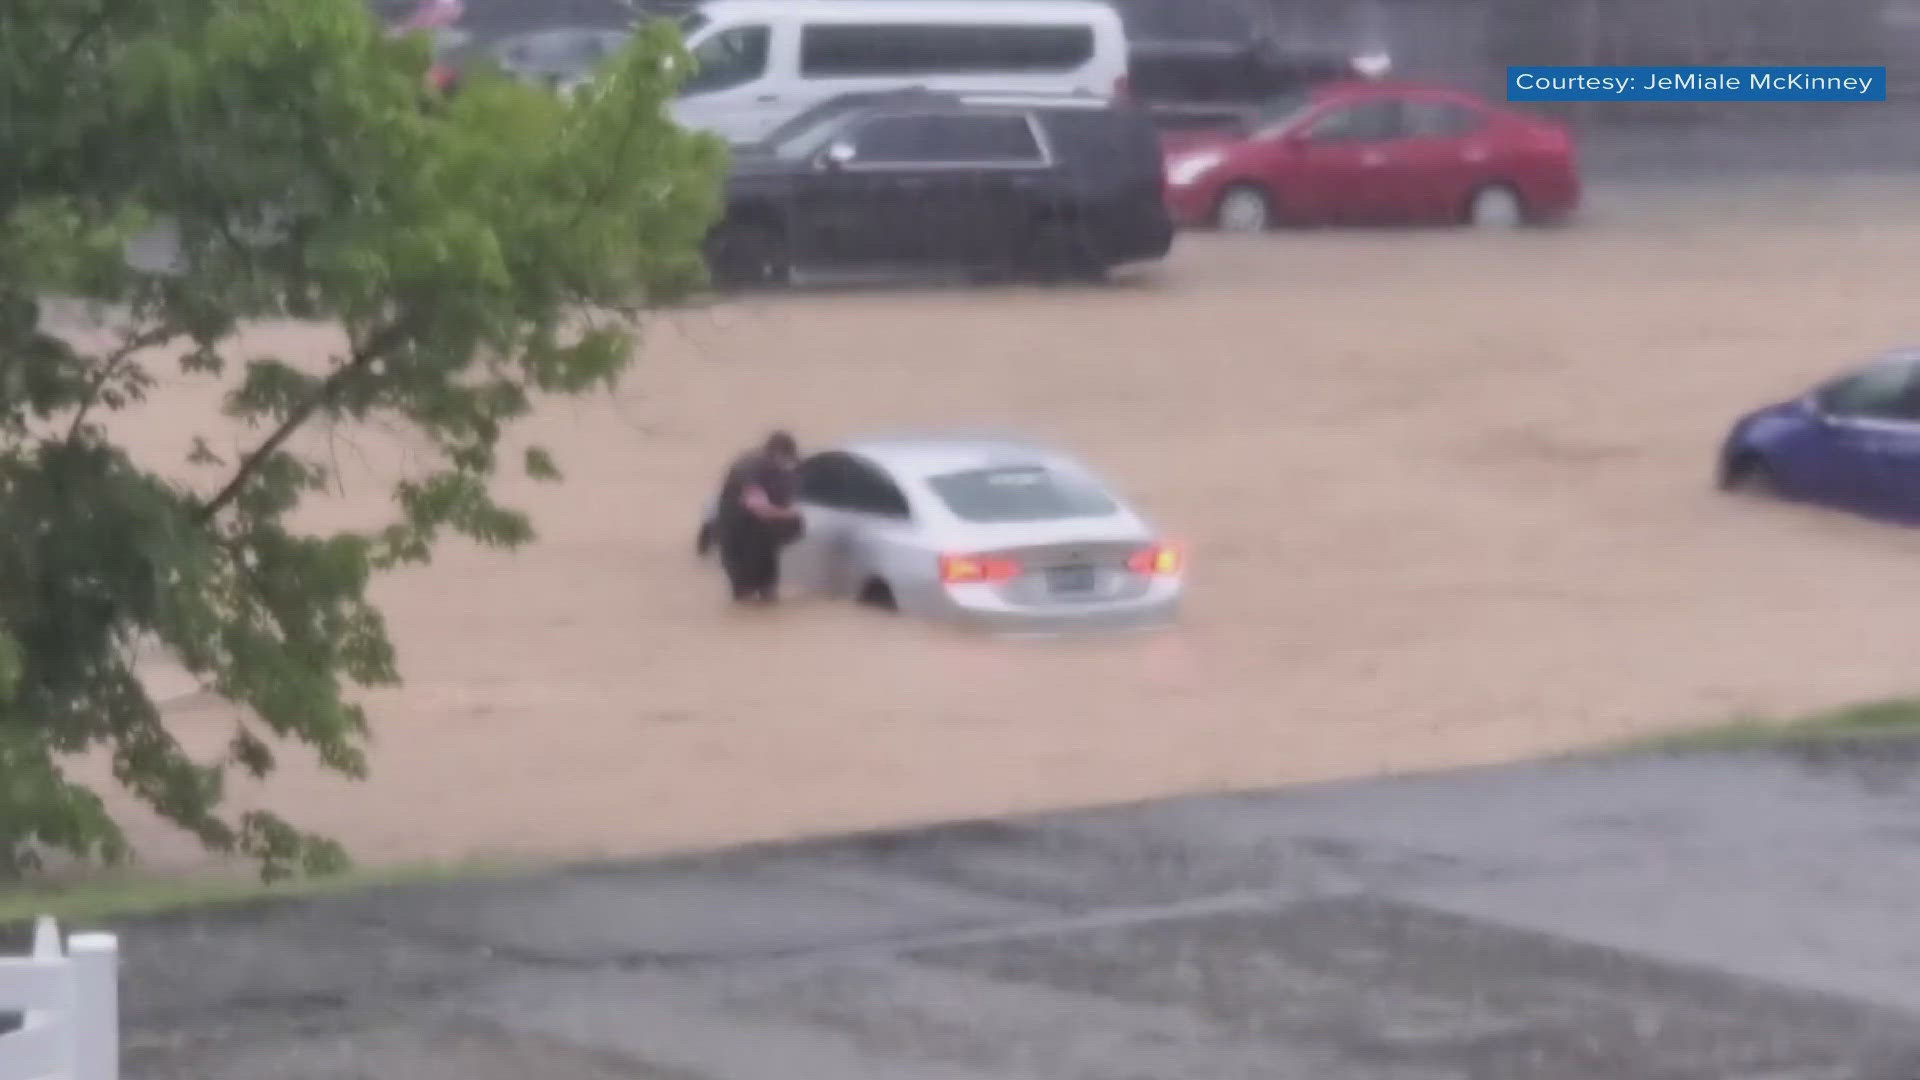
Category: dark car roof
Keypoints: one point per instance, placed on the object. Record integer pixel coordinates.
(963, 100)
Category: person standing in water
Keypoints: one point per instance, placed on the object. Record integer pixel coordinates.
(756, 517)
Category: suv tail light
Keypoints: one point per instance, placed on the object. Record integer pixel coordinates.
(971, 569)
(1159, 559)
(1123, 88)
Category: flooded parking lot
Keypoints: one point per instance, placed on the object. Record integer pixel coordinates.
(1448, 497)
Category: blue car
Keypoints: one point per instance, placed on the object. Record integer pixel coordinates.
(1851, 443)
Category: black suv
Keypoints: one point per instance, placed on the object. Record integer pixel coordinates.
(1062, 186)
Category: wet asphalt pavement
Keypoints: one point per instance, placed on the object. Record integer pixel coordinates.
(1746, 916)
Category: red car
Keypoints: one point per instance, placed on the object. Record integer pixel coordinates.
(437, 18)
(1375, 152)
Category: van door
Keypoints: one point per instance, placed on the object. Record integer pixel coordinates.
(738, 87)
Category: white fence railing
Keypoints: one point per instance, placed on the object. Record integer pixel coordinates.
(70, 998)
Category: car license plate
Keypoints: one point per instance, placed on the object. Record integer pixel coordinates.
(1070, 579)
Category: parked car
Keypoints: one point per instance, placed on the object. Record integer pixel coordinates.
(1063, 186)
(1853, 442)
(1380, 152)
(980, 530)
(439, 20)
(759, 62)
(559, 57)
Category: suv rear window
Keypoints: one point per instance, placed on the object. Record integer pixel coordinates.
(1012, 494)
(1119, 142)
(992, 139)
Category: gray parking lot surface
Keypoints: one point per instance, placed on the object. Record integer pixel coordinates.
(1743, 916)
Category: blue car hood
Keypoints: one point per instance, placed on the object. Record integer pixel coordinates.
(1763, 424)
(1797, 409)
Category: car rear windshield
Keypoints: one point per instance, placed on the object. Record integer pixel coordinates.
(1011, 494)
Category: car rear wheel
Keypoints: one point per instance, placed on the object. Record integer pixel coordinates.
(1244, 208)
(878, 595)
(1496, 206)
(748, 255)
(1061, 251)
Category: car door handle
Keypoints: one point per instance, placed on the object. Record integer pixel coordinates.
(1473, 153)
(1374, 159)
(763, 98)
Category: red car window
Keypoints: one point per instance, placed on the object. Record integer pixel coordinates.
(1436, 118)
(1376, 119)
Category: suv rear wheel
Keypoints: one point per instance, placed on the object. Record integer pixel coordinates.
(749, 254)
(1061, 250)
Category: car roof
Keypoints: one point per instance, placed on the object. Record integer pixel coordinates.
(920, 456)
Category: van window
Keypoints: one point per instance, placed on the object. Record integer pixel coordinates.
(733, 57)
(837, 51)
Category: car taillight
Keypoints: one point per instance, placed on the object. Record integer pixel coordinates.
(968, 569)
(1158, 559)
(1123, 88)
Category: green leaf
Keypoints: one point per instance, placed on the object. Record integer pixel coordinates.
(540, 465)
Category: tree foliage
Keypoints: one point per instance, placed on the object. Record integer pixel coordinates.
(474, 252)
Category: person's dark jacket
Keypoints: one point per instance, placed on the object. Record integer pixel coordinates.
(734, 523)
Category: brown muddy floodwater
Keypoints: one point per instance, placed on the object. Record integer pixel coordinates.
(1448, 495)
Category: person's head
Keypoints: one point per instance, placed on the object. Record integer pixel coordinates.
(782, 450)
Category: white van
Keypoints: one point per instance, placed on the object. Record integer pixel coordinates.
(759, 62)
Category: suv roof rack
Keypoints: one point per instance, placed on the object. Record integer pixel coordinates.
(1076, 100)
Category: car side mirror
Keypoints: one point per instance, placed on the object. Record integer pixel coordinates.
(836, 155)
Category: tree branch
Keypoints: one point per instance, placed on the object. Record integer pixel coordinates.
(86, 34)
(373, 349)
(110, 366)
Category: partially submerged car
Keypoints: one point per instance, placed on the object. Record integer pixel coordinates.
(981, 530)
(1852, 442)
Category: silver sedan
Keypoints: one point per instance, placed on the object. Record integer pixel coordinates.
(986, 531)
